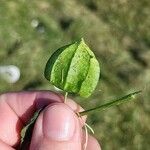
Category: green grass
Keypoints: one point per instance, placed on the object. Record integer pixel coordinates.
(118, 33)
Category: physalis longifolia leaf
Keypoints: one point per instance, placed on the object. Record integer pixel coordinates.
(74, 69)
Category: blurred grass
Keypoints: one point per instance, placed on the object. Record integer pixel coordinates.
(116, 30)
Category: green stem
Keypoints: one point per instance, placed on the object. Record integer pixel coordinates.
(65, 99)
(118, 101)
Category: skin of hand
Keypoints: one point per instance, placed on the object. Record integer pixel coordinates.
(57, 127)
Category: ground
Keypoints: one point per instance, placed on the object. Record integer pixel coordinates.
(118, 33)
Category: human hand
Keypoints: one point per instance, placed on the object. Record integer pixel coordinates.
(57, 127)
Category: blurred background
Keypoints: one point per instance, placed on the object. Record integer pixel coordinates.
(118, 31)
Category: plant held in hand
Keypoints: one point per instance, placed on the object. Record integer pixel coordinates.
(74, 69)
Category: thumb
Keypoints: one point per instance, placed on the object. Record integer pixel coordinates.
(57, 128)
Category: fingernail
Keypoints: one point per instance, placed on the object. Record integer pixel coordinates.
(58, 123)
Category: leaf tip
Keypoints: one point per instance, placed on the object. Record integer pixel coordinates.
(81, 40)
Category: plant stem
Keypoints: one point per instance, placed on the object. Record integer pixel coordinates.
(115, 102)
(65, 99)
(86, 137)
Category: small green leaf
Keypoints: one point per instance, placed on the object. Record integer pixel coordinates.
(74, 69)
(26, 132)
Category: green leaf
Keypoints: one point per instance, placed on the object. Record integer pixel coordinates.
(26, 132)
(74, 69)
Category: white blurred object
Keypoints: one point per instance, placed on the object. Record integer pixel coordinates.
(34, 23)
(10, 73)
